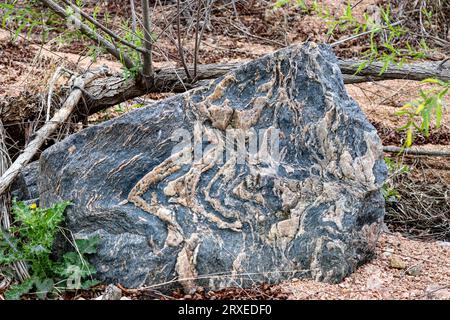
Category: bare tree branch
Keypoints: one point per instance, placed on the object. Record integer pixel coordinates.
(121, 56)
(180, 45)
(147, 57)
(103, 28)
(416, 151)
(407, 71)
(133, 16)
(197, 41)
(45, 131)
(109, 91)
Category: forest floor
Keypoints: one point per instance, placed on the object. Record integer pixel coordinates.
(403, 267)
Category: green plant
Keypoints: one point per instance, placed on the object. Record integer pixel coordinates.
(395, 168)
(384, 39)
(419, 112)
(23, 18)
(31, 239)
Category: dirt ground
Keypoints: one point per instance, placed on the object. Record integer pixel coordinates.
(402, 268)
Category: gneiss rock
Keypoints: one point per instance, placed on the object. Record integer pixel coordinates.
(174, 197)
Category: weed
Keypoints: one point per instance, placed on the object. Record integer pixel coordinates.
(31, 239)
(420, 111)
(395, 168)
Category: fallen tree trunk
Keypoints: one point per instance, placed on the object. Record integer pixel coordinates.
(408, 71)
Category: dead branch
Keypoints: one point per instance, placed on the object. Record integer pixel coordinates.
(43, 133)
(85, 29)
(180, 45)
(109, 91)
(416, 151)
(147, 56)
(409, 71)
(103, 28)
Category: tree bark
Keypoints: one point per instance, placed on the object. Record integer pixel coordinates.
(147, 69)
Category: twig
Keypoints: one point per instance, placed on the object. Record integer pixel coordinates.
(147, 57)
(198, 39)
(257, 37)
(417, 152)
(103, 28)
(180, 46)
(85, 29)
(53, 80)
(364, 33)
(197, 42)
(133, 16)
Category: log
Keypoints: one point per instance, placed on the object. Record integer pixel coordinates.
(408, 71)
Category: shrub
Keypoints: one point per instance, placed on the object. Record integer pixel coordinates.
(31, 239)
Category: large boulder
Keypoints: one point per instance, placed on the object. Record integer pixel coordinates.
(174, 196)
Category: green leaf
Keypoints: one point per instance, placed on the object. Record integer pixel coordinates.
(43, 288)
(409, 137)
(16, 291)
(361, 66)
(89, 245)
(89, 284)
(438, 115)
(432, 80)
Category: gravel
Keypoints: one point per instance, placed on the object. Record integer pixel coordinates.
(426, 274)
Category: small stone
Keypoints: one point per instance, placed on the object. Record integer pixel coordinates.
(112, 293)
(438, 292)
(125, 298)
(374, 282)
(388, 252)
(414, 270)
(397, 263)
(200, 289)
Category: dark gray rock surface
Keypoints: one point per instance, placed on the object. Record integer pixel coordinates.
(25, 188)
(313, 211)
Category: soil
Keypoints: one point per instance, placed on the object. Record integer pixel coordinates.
(425, 265)
(402, 269)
